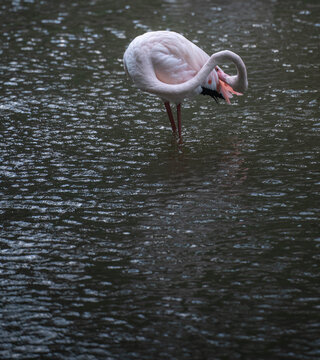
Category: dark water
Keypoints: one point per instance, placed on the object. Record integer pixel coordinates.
(116, 242)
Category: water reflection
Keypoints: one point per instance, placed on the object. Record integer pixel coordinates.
(118, 243)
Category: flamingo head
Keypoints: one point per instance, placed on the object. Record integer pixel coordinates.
(232, 81)
(221, 74)
(218, 86)
(225, 85)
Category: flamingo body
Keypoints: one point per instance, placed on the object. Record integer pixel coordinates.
(167, 64)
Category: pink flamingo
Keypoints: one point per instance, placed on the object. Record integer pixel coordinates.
(166, 64)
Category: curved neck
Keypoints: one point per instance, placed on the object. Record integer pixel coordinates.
(238, 82)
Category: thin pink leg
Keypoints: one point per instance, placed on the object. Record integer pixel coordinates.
(179, 119)
(169, 112)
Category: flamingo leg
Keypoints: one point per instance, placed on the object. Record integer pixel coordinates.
(179, 119)
(169, 112)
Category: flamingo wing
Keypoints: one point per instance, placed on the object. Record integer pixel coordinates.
(169, 67)
(176, 59)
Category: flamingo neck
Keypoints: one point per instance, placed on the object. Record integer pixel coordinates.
(178, 92)
(238, 82)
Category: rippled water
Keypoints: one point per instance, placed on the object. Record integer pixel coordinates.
(118, 243)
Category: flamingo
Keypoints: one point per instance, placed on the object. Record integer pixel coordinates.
(170, 66)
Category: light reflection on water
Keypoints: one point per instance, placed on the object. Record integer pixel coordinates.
(116, 242)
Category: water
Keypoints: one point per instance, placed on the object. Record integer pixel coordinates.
(119, 243)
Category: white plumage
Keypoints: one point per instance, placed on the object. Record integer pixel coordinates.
(167, 64)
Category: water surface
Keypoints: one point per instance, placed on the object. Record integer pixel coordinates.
(119, 243)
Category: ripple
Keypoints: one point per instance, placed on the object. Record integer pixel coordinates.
(118, 242)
